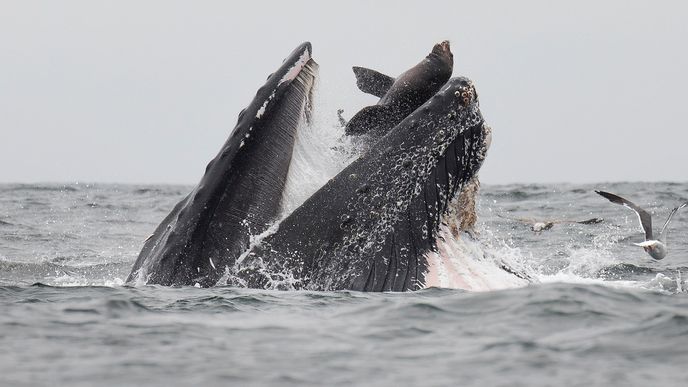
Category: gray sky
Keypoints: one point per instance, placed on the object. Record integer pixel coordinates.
(147, 91)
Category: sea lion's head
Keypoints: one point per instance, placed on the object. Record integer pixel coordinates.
(442, 51)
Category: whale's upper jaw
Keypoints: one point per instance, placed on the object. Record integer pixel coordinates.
(452, 122)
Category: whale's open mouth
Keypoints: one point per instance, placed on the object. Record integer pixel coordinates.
(372, 227)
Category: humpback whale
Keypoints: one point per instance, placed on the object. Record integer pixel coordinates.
(378, 225)
(240, 192)
(401, 96)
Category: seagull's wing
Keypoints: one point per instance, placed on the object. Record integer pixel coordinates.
(522, 220)
(644, 216)
(587, 221)
(662, 234)
(591, 221)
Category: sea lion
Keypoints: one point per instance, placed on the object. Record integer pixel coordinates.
(401, 96)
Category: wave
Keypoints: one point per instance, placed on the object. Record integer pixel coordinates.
(55, 273)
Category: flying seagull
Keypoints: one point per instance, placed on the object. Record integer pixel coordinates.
(655, 247)
(543, 225)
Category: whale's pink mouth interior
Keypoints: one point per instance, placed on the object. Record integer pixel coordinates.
(302, 63)
(296, 69)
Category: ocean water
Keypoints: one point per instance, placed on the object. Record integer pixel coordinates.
(598, 311)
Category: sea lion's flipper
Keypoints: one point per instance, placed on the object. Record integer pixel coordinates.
(372, 82)
(375, 118)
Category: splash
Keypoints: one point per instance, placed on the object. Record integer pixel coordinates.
(320, 152)
(461, 262)
(563, 257)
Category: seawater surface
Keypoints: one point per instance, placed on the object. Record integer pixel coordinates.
(599, 310)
